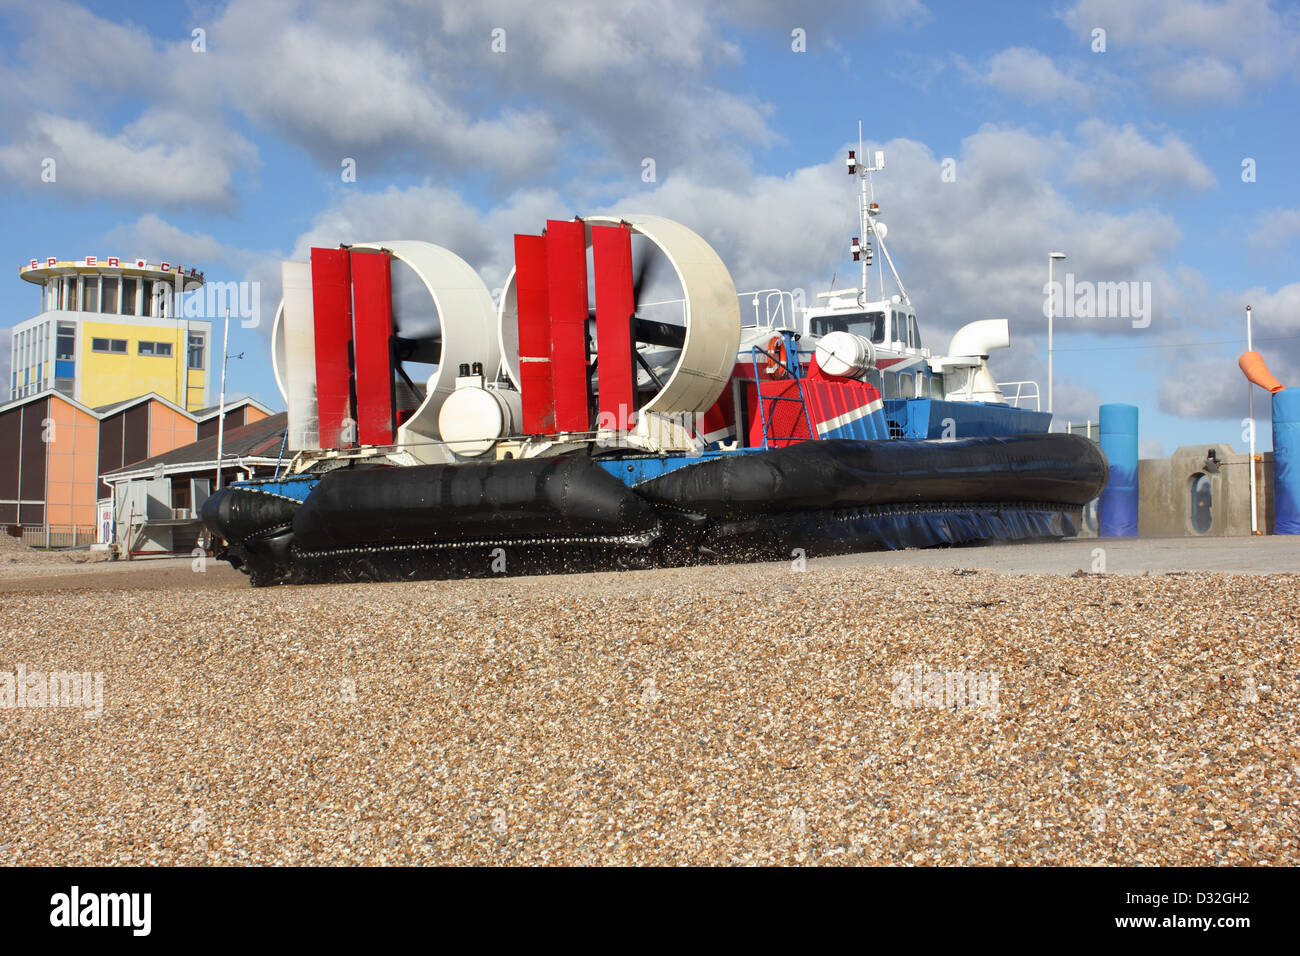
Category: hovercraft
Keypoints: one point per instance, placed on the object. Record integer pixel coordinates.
(577, 425)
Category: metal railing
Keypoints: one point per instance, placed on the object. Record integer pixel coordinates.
(773, 308)
(59, 536)
(1022, 393)
(1086, 429)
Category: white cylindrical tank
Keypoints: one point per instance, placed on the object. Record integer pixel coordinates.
(845, 354)
(473, 418)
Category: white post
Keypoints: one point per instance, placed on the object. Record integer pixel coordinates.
(221, 401)
(179, 309)
(1250, 387)
(1051, 315)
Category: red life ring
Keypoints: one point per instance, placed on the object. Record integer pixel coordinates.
(776, 348)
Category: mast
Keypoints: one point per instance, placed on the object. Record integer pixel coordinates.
(864, 220)
(860, 166)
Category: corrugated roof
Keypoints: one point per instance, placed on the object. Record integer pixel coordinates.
(213, 410)
(261, 439)
(104, 411)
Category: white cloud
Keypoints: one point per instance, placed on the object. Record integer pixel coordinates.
(1196, 50)
(343, 88)
(1204, 388)
(153, 237)
(1120, 162)
(65, 46)
(1276, 312)
(1275, 227)
(971, 249)
(1034, 78)
(1198, 79)
(163, 157)
(1199, 385)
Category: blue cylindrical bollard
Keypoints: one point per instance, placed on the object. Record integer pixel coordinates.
(1117, 509)
(1286, 461)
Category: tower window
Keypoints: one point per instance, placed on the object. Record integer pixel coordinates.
(90, 296)
(110, 295)
(129, 288)
(66, 342)
(196, 352)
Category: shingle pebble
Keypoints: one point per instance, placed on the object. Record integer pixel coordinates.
(720, 715)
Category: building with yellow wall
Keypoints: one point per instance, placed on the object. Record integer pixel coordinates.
(109, 330)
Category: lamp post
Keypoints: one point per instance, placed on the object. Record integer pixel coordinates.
(1051, 316)
(221, 399)
(1250, 389)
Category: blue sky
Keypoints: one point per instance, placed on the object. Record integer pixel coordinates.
(1129, 159)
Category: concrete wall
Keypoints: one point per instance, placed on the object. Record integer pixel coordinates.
(1165, 505)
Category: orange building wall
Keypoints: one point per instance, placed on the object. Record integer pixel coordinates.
(253, 414)
(168, 429)
(72, 460)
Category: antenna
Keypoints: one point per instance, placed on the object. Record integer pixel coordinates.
(868, 210)
(861, 248)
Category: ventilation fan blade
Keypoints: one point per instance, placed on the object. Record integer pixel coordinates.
(660, 333)
(425, 350)
(643, 271)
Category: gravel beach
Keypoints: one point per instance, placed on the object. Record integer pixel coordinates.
(723, 715)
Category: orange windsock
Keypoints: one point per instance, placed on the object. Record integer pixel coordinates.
(1252, 365)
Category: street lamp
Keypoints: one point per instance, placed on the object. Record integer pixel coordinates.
(1250, 389)
(221, 401)
(1051, 315)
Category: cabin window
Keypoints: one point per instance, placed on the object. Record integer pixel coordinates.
(913, 332)
(906, 385)
(873, 379)
(1202, 503)
(936, 386)
(869, 325)
(891, 385)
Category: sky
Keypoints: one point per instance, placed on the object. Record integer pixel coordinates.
(1151, 141)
